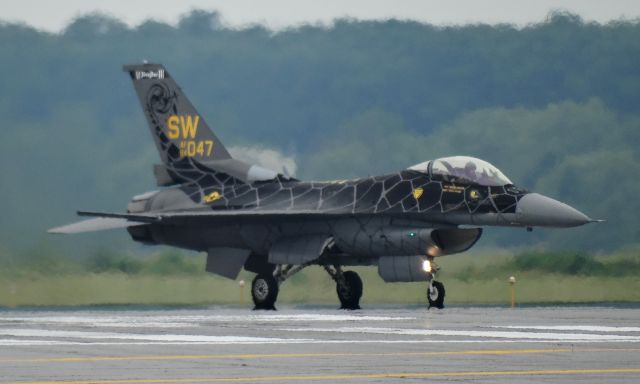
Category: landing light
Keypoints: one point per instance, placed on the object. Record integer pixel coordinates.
(426, 266)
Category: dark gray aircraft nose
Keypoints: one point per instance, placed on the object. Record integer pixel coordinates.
(535, 209)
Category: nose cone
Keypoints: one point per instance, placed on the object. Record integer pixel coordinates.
(534, 209)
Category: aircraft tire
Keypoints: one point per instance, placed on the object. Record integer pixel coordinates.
(264, 292)
(436, 298)
(350, 292)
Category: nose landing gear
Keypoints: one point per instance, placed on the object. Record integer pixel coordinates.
(435, 294)
(435, 290)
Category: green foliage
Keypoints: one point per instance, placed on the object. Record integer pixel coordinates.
(569, 263)
(575, 263)
(38, 260)
(38, 263)
(162, 264)
(108, 262)
(500, 264)
(554, 105)
(172, 263)
(477, 277)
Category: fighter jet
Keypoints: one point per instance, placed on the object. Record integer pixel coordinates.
(245, 216)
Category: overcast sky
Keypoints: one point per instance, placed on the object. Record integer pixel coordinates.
(278, 14)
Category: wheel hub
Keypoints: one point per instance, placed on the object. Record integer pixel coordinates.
(433, 293)
(261, 290)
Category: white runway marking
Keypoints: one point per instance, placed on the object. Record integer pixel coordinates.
(189, 328)
(88, 343)
(514, 335)
(53, 337)
(146, 337)
(101, 322)
(584, 328)
(186, 321)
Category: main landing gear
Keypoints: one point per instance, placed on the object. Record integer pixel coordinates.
(264, 291)
(348, 287)
(435, 289)
(265, 287)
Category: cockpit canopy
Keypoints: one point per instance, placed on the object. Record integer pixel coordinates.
(463, 169)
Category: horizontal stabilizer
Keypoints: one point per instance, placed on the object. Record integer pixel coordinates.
(136, 218)
(93, 225)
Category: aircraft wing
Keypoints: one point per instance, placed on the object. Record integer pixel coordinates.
(211, 215)
(106, 220)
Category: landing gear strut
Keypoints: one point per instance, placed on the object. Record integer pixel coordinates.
(435, 290)
(348, 287)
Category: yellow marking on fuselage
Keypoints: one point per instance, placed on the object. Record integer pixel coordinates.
(213, 196)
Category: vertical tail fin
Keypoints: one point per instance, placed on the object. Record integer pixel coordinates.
(181, 135)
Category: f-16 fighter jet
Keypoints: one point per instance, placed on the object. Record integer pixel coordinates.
(245, 216)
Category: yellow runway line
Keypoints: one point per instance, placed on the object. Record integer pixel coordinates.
(319, 355)
(287, 355)
(547, 372)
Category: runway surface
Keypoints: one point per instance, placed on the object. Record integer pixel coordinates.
(468, 344)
